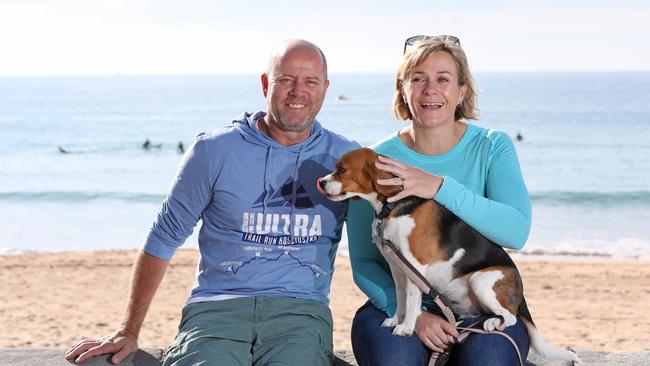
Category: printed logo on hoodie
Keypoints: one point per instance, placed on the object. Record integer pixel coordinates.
(281, 229)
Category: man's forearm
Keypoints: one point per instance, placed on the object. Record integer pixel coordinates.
(148, 272)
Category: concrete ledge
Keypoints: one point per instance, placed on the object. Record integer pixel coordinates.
(54, 357)
(144, 357)
(152, 356)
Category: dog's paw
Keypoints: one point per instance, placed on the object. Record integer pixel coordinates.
(575, 360)
(492, 324)
(390, 322)
(403, 330)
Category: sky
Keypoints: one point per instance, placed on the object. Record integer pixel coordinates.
(108, 37)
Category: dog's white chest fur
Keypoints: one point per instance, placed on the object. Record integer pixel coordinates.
(397, 230)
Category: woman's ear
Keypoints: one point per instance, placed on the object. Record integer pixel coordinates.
(463, 92)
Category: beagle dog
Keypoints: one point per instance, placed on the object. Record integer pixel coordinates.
(472, 274)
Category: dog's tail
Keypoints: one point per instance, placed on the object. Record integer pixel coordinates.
(537, 342)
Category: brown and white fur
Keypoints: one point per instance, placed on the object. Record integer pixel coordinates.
(472, 274)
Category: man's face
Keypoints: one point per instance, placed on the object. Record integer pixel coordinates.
(295, 89)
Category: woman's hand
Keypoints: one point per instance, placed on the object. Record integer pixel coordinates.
(434, 331)
(414, 181)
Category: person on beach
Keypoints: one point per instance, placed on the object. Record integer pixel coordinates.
(268, 238)
(472, 171)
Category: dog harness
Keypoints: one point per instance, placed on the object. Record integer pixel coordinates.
(389, 250)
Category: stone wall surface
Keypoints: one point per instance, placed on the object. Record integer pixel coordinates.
(152, 356)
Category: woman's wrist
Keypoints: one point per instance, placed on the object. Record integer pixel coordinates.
(438, 181)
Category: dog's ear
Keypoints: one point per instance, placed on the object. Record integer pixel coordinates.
(368, 171)
(388, 191)
(372, 173)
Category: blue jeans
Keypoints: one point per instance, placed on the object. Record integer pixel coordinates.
(375, 345)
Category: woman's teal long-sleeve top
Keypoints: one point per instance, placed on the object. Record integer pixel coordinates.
(482, 185)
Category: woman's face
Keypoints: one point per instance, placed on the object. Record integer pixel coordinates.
(432, 91)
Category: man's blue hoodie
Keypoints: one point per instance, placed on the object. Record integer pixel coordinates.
(266, 230)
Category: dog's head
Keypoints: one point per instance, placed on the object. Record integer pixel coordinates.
(356, 176)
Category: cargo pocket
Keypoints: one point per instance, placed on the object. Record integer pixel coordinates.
(326, 354)
(173, 351)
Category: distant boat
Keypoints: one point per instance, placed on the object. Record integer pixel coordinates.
(341, 97)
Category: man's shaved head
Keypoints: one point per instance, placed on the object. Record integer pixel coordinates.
(281, 49)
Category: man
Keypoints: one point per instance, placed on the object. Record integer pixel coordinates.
(268, 239)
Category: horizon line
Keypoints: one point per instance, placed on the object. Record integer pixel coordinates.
(120, 74)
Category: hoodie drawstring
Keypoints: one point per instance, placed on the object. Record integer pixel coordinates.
(266, 179)
(294, 186)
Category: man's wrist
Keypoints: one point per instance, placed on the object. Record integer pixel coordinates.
(125, 331)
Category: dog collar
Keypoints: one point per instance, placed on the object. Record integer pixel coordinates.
(386, 209)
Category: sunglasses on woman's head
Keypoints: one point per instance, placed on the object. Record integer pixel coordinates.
(443, 37)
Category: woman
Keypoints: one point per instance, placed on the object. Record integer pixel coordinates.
(472, 171)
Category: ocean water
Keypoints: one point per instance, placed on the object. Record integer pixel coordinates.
(585, 152)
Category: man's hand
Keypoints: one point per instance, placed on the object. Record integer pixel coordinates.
(434, 331)
(122, 343)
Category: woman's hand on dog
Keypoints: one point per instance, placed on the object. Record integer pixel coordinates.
(434, 331)
(414, 181)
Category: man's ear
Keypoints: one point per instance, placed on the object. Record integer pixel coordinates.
(265, 83)
(327, 85)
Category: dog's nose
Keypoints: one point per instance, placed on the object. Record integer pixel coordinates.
(320, 184)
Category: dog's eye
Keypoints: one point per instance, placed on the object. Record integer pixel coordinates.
(341, 170)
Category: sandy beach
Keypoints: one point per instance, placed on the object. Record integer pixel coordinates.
(52, 300)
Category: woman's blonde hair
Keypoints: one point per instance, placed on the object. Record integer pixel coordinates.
(415, 55)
